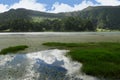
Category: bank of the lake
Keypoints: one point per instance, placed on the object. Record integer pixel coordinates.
(35, 39)
(99, 59)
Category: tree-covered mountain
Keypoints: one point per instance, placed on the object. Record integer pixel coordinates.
(89, 19)
(25, 14)
(105, 17)
(27, 20)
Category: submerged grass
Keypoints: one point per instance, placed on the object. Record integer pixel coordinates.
(99, 59)
(13, 49)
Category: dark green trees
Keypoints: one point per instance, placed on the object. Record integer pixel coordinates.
(103, 17)
(77, 24)
(63, 24)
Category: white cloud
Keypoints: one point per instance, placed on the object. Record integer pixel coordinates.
(57, 7)
(109, 2)
(3, 8)
(29, 4)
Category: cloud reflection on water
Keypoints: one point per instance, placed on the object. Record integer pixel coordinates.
(42, 65)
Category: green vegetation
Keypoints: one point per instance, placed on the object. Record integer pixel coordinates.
(13, 49)
(99, 59)
(99, 18)
(65, 24)
(103, 17)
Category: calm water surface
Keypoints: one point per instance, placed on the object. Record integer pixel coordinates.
(41, 65)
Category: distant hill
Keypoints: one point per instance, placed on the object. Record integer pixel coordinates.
(102, 17)
(106, 17)
(26, 14)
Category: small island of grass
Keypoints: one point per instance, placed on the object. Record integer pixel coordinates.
(13, 49)
(99, 59)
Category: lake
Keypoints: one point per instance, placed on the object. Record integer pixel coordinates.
(39, 62)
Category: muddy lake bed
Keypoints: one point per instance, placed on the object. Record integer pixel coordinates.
(34, 40)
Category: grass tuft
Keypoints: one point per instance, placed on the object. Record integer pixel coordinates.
(13, 49)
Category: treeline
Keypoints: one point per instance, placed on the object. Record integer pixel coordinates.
(64, 24)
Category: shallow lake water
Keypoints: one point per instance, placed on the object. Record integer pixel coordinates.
(41, 65)
(39, 62)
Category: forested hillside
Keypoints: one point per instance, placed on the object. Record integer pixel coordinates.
(89, 19)
(104, 17)
(22, 20)
(64, 24)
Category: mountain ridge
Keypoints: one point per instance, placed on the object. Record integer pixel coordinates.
(104, 17)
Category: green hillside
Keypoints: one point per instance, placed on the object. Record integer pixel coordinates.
(25, 14)
(23, 20)
(105, 17)
(89, 19)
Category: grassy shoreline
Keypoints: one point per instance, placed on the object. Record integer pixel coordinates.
(99, 59)
(13, 49)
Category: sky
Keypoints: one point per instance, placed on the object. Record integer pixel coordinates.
(54, 6)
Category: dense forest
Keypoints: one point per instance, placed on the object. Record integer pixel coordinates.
(89, 19)
(64, 24)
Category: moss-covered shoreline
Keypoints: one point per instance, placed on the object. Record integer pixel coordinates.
(99, 59)
(13, 49)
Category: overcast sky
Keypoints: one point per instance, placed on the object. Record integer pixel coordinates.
(54, 6)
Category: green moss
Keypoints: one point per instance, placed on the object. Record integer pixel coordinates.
(99, 59)
(13, 49)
